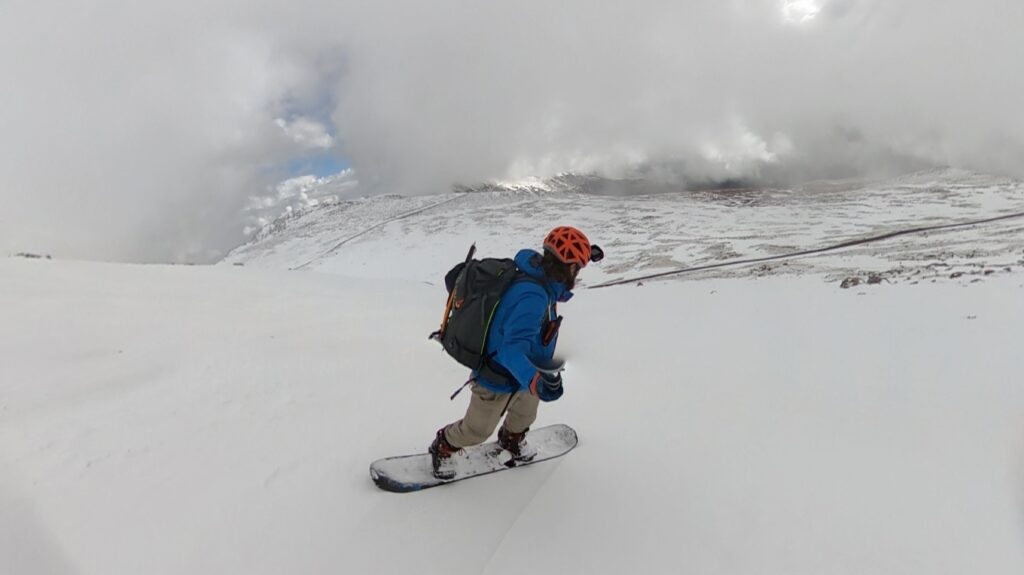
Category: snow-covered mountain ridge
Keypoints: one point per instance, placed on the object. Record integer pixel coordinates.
(645, 233)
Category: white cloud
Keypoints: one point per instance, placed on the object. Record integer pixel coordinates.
(495, 91)
(308, 134)
(800, 11)
(744, 152)
(139, 131)
(296, 194)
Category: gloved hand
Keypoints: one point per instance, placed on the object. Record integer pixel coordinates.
(548, 387)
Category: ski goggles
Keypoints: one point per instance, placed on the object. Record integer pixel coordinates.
(596, 253)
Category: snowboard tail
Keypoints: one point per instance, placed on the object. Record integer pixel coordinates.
(407, 473)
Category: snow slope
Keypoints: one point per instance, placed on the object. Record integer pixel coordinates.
(162, 419)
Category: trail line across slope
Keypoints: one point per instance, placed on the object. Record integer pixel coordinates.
(379, 225)
(831, 248)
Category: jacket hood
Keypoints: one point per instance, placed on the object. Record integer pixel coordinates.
(528, 261)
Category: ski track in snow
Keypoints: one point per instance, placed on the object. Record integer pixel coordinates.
(414, 212)
(500, 544)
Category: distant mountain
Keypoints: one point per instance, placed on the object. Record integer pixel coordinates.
(649, 226)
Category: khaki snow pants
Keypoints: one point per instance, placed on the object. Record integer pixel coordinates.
(484, 411)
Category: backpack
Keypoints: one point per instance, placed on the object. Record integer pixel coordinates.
(475, 288)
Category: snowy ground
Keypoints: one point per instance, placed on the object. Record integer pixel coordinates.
(160, 419)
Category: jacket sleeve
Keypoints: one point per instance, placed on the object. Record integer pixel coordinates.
(522, 328)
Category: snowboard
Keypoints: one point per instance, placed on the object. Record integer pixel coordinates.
(414, 472)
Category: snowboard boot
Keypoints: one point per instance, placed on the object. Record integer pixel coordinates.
(515, 443)
(441, 456)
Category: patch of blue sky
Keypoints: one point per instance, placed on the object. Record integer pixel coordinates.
(319, 165)
(315, 105)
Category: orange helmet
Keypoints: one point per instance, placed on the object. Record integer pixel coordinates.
(569, 245)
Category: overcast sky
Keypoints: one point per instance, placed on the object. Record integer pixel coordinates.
(139, 130)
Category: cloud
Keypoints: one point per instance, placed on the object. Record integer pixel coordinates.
(721, 88)
(139, 131)
(307, 133)
(800, 11)
(136, 131)
(296, 194)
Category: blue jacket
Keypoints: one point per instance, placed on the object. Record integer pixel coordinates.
(514, 339)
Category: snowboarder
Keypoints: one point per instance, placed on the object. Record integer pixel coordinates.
(522, 336)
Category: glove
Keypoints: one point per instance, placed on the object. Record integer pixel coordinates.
(548, 387)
